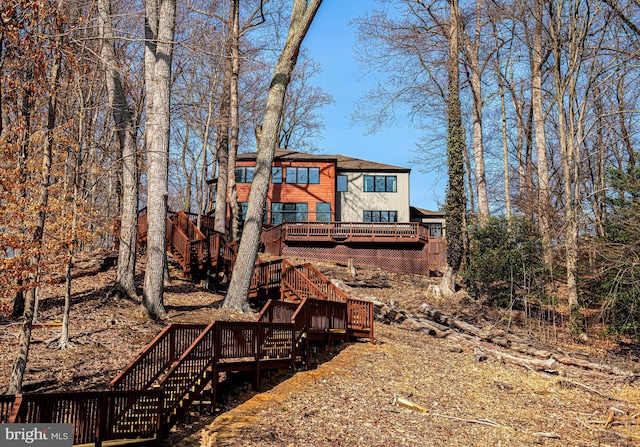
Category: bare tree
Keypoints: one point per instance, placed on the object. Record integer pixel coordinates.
(302, 15)
(301, 125)
(159, 33)
(471, 49)
(126, 132)
(538, 52)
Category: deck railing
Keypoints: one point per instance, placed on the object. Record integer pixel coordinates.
(183, 358)
(267, 277)
(96, 416)
(188, 369)
(360, 312)
(294, 280)
(329, 290)
(275, 311)
(348, 232)
(6, 403)
(326, 316)
(157, 356)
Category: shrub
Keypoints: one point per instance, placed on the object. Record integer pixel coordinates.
(505, 262)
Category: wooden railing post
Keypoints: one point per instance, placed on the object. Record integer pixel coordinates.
(160, 428)
(104, 416)
(371, 317)
(16, 410)
(258, 339)
(172, 345)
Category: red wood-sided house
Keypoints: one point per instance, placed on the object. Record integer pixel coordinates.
(326, 188)
(333, 207)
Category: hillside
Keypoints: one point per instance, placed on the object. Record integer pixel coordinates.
(355, 396)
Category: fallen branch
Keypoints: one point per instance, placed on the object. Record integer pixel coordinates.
(488, 422)
(398, 400)
(515, 343)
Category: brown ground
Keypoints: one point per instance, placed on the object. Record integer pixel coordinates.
(352, 399)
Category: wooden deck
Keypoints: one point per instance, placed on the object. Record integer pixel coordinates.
(408, 247)
(184, 361)
(349, 232)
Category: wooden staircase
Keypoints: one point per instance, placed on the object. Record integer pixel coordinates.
(159, 386)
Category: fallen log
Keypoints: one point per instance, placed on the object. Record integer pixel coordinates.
(101, 262)
(442, 325)
(453, 322)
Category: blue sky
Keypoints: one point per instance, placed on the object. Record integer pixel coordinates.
(330, 42)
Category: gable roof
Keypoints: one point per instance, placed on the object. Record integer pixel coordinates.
(343, 162)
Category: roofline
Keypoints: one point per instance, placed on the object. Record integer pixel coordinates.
(387, 169)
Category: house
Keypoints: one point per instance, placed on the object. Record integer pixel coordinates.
(337, 208)
(328, 188)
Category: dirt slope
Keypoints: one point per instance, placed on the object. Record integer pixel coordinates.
(349, 400)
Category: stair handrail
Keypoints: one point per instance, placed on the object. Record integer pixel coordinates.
(360, 312)
(164, 346)
(179, 241)
(185, 224)
(200, 350)
(302, 278)
(300, 323)
(330, 289)
(269, 281)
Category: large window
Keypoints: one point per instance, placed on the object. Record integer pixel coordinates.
(380, 216)
(276, 174)
(244, 206)
(380, 183)
(323, 212)
(342, 183)
(244, 174)
(288, 212)
(303, 175)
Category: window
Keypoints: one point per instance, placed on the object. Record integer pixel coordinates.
(244, 206)
(288, 212)
(314, 176)
(323, 212)
(342, 183)
(243, 210)
(435, 230)
(303, 175)
(276, 174)
(380, 216)
(380, 183)
(244, 174)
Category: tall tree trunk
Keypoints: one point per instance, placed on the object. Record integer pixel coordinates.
(202, 194)
(544, 203)
(159, 32)
(24, 342)
(530, 201)
(505, 150)
(125, 128)
(234, 117)
(568, 43)
(222, 153)
(455, 207)
(473, 49)
(302, 15)
(64, 341)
